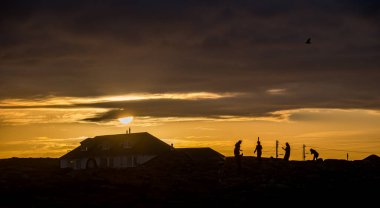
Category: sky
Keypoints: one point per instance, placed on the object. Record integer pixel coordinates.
(192, 73)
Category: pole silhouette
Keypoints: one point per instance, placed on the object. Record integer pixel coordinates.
(276, 148)
(303, 152)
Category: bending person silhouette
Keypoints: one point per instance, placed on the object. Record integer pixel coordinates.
(314, 153)
(258, 149)
(237, 154)
(287, 152)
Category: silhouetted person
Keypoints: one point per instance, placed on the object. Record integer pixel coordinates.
(314, 153)
(237, 154)
(258, 149)
(308, 41)
(287, 152)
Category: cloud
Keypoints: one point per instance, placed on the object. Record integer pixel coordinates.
(263, 105)
(91, 50)
(276, 91)
(342, 116)
(46, 115)
(72, 101)
(38, 147)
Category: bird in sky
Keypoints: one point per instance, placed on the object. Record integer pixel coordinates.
(308, 41)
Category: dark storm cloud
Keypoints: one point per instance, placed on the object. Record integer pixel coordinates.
(93, 48)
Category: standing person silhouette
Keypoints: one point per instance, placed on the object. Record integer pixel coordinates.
(258, 149)
(237, 154)
(314, 153)
(287, 152)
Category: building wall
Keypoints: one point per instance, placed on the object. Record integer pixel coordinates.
(107, 162)
(64, 163)
(116, 162)
(127, 161)
(141, 159)
(76, 164)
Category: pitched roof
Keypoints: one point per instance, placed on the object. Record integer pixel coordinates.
(118, 144)
(184, 158)
(373, 158)
(202, 155)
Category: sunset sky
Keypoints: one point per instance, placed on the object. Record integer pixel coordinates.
(193, 73)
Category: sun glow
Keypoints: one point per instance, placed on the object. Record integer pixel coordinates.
(126, 120)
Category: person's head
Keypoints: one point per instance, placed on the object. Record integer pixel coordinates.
(239, 142)
(287, 144)
(258, 142)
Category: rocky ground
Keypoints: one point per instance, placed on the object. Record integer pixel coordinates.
(39, 182)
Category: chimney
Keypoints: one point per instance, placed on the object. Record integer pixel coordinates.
(129, 130)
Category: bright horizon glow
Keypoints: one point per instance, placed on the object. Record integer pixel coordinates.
(334, 132)
(126, 120)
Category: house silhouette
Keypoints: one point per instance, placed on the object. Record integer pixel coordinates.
(114, 151)
(132, 150)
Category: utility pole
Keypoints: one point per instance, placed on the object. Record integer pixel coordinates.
(303, 152)
(276, 148)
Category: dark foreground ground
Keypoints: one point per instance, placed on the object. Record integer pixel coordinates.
(38, 182)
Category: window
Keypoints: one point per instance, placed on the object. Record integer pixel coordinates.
(135, 161)
(126, 145)
(78, 164)
(105, 147)
(110, 162)
(84, 148)
(103, 162)
(72, 163)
